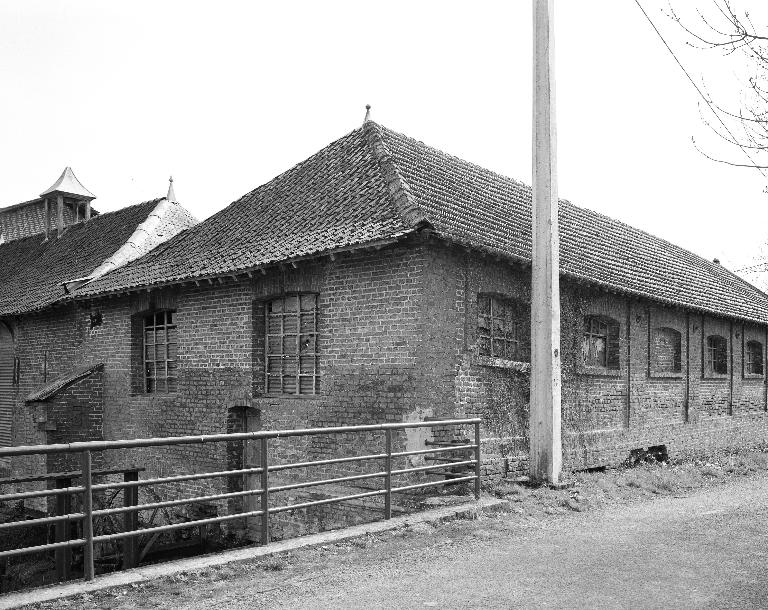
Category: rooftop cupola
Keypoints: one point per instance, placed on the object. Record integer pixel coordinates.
(70, 195)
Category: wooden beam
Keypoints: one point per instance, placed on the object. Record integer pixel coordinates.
(59, 214)
(545, 433)
(47, 217)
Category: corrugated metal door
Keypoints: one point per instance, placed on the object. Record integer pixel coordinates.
(6, 385)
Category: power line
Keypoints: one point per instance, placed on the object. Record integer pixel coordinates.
(704, 97)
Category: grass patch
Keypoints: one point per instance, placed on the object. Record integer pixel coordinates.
(275, 565)
(646, 479)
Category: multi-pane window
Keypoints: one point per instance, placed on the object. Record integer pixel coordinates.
(754, 357)
(717, 354)
(600, 346)
(292, 359)
(667, 350)
(160, 352)
(503, 328)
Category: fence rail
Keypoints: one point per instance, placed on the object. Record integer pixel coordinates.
(131, 484)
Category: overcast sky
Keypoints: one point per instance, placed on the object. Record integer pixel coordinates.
(226, 95)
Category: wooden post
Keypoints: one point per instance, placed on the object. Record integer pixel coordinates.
(388, 476)
(63, 556)
(130, 521)
(59, 214)
(47, 217)
(264, 492)
(87, 516)
(88, 209)
(545, 443)
(477, 461)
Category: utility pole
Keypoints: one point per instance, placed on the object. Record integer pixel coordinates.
(545, 442)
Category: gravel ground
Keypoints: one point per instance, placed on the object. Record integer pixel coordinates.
(645, 538)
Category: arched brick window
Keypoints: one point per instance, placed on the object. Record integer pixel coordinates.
(753, 357)
(600, 346)
(717, 355)
(667, 350)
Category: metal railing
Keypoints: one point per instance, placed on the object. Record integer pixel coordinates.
(265, 510)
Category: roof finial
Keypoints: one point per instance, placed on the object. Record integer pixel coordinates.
(367, 113)
(171, 196)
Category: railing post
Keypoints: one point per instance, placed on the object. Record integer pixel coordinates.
(388, 477)
(477, 460)
(87, 516)
(264, 492)
(130, 522)
(63, 507)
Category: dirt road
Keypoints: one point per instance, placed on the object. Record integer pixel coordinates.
(706, 550)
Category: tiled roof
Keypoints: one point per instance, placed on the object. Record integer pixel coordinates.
(32, 269)
(469, 204)
(335, 198)
(375, 184)
(55, 386)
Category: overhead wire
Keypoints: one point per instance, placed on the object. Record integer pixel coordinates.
(700, 92)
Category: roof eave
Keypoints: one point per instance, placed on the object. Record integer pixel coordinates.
(249, 271)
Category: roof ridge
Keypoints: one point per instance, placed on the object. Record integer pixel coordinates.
(403, 200)
(140, 239)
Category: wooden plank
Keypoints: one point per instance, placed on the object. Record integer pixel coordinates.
(72, 474)
(6, 384)
(63, 556)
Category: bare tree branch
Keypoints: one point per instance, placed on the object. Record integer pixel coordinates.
(721, 26)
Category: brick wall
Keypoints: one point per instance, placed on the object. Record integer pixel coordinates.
(397, 342)
(370, 305)
(606, 413)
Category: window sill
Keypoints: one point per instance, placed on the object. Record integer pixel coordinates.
(289, 396)
(753, 376)
(666, 375)
(502, 363)
(716, 376)
(599, 371)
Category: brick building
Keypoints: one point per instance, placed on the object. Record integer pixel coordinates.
(50, 246)
(382, 280)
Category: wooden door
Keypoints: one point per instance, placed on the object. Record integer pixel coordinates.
(6, 384)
